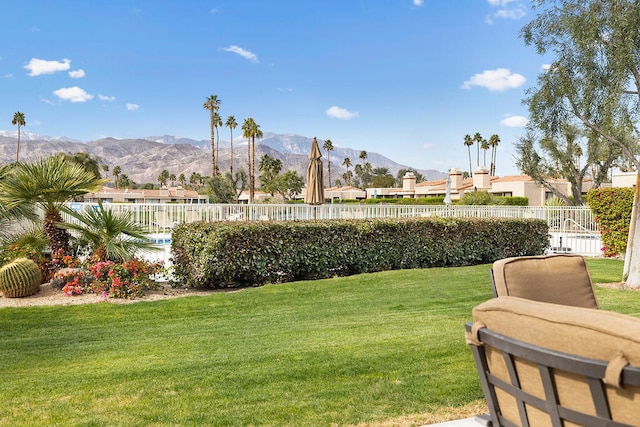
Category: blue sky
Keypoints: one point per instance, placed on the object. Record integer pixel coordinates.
(404, 78)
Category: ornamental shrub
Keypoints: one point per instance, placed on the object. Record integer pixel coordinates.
(123, 280)
(232, 254)
(611, 208)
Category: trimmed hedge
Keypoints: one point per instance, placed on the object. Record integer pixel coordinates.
(611, 208)
(232, 254)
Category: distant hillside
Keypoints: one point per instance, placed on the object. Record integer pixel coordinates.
(143, 159)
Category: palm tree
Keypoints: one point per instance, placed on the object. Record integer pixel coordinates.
(172, 178)
(347, 163)
(231, 124)
(328, 145)
(163, 177)
(218, 123)
(182, 180)
(117, 170)
(485, 146)
(48, 184)
(477, 138)
(363, 156)
(194, 179)
(468, 142)
(212, 104)
(18, 119)
(494, 141)
(251, 131)
(110, 236)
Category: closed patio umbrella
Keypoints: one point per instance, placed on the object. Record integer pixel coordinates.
(447, 196)
(315, 186)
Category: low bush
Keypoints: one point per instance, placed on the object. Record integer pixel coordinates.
(228, 254)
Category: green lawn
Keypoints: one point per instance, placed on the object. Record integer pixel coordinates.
(341, 351)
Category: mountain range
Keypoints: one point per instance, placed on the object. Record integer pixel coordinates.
(143, 159)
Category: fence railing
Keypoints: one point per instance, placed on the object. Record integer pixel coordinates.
(573, 229)
(159, 217)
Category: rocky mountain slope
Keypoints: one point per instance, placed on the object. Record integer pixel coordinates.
(143, 159)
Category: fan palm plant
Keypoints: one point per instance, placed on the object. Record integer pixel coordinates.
(47, 184)
(108, 235)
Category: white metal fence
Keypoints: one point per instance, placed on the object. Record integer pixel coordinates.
(573, 229)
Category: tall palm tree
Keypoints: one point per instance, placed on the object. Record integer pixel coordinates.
(218, 124)
(163, 177)
(485, 147)
(251, 131)
(48, 184)
(117, 170)
(328, 145)
(468, 142)
(363, 156)
(231, 124)
(212, 104)
(477, 138)
(18, 120)
(347, 163)
(494, 141)
(182, 180)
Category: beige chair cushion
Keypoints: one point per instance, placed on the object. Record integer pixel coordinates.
(558, 279)
(586, 332)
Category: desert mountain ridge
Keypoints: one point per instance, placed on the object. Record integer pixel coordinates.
(143, 159)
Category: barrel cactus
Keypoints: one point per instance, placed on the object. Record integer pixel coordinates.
(19, 278)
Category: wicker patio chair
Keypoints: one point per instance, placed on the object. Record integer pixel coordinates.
(558, 279)
(544, 364)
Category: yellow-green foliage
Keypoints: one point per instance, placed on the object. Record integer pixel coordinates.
(232, 254)
(611, 208)
(19, 278)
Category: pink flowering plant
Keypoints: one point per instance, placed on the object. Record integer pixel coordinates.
(124, 280)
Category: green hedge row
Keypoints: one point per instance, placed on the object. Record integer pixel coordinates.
(231, 254)
(611, 208)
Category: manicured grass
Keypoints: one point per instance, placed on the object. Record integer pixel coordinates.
(339, 351)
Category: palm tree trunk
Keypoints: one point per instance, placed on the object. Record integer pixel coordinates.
(252, 179)
(231, 154)
(249, 166)
(217, 150)
(58, 237)
(470, 166)
(329, 165)
(213, 143)
(18, 149)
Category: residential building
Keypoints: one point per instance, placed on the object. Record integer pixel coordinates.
(515, 186)
(163, 195)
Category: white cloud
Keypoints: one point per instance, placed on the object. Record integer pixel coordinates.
(73, 94)
(132, 107)
(515, 122)
(340, 113)
(507, 9)
(495, 80)
(40, 66)
(106, 98)
(546, 67)
(242, 52)
(418, 2)
(213, 11)
(285, 89)
(76, 74)
(428, 145)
